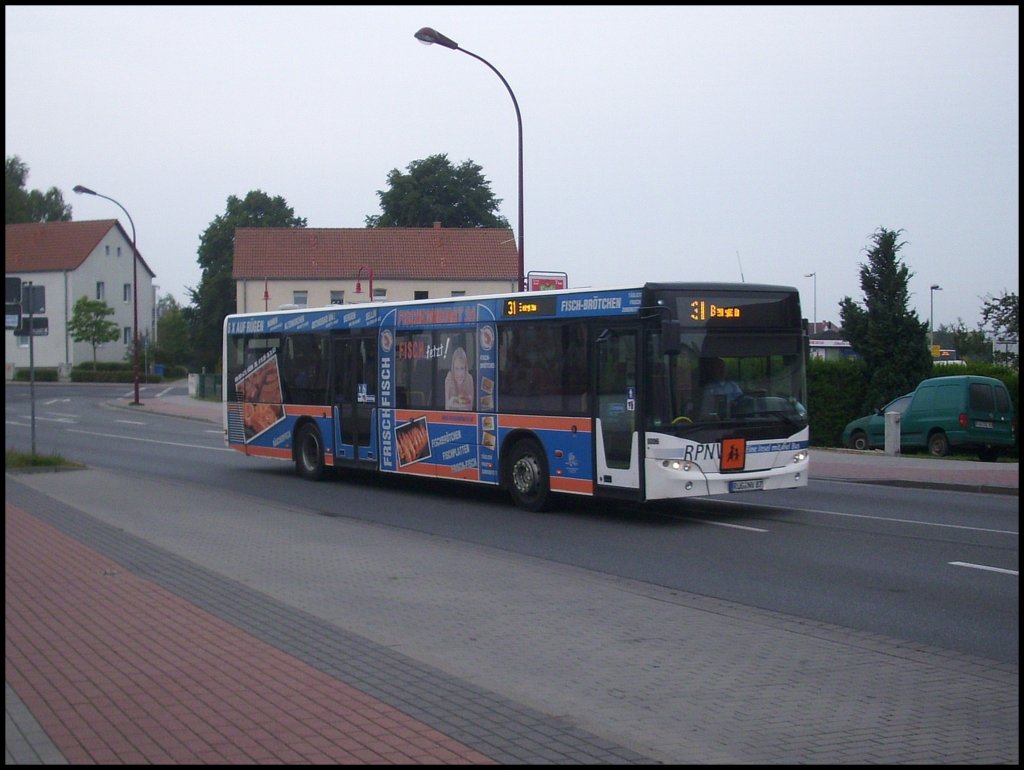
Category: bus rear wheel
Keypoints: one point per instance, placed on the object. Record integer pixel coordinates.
(309, 453)
(528, 481)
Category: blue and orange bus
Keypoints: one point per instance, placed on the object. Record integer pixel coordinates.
(597, 392)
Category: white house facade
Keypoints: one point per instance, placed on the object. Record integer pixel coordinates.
(71, 260)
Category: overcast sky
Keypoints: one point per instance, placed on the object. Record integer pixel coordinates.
(660, 143)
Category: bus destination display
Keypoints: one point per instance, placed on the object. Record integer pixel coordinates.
(756, 311)
(531, 306)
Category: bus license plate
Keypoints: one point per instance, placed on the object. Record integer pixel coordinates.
(746, 486)
(982, 424)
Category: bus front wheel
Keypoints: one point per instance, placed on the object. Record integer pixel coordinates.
(528, 481)
(309, 453)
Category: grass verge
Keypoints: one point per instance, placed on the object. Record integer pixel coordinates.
(15, 459)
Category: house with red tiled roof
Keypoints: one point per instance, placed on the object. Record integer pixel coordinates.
(70, 260)
(275, 266)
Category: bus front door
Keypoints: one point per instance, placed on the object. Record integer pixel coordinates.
(355, 397)
(617, 453)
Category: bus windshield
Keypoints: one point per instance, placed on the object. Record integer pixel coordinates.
(716, 383)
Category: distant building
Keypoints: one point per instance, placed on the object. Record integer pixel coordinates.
(314, 267)
(826, 342)
(71, 260)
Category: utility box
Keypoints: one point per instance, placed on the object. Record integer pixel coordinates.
(892, 433)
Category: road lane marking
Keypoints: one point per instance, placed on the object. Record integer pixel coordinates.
(876, 518)
(984, 567)
(152, 441)
(733, 526)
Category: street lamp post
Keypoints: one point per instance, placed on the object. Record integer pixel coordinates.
(931, 316)
(135, 289)
(815, 277)
(359, 287)
(429, 36)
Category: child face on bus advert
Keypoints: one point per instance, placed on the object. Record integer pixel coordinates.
(458, 388)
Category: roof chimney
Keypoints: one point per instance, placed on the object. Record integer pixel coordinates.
(437, 225)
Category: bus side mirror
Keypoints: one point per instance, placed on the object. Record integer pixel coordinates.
(671, 332)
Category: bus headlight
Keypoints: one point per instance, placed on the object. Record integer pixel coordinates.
(677, 465)
(800, 456)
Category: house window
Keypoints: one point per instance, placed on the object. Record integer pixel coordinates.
(458, 292)
(107, 250)
(101, 290)
(126, 335)
(119, 251)
(338, 297)
(300, 297)
(420, 294)
(126, 292)
(380, 293)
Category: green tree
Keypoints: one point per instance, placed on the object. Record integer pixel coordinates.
(885, 333)
(214, 298)
(436, 191)
(971, 345)
(30, 205)
(89, 323)
(1001, 315)
(173, 345)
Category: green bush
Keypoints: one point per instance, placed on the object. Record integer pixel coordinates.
(42, 374)
(176, 372)
(103, 366)
(109, 371)
(118, 375)
(835, 390)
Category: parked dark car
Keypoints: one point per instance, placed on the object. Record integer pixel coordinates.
(968, 413)
(869, 432)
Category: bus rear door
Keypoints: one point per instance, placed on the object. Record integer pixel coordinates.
(617, 461)
(355, 396)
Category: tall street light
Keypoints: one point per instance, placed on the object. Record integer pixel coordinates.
(931, 316)
(135, 289)
(815, 277)
(429, 36)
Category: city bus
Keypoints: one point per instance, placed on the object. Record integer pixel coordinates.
(604, 393)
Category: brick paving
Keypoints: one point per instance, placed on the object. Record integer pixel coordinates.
(118, 670)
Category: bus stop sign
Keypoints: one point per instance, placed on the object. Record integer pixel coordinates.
(33, 299)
